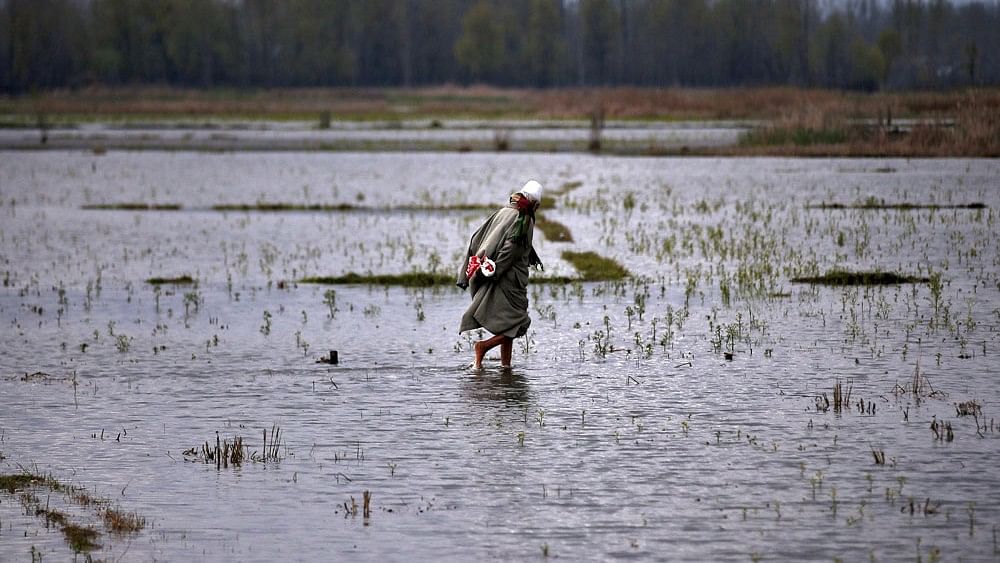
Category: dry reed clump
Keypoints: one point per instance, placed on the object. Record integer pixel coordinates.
(977, 124)
(223, 454)
(968, 408)
(234, 453)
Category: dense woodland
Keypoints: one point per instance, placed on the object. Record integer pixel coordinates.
(856, 44)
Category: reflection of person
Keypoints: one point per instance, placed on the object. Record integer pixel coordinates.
(508, 389)
(500, 300)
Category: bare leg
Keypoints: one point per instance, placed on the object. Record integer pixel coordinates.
(483, 346)
(506, 350)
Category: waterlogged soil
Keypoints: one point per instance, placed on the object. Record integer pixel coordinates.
(623, 431)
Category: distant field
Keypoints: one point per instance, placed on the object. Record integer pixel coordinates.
(795, 121)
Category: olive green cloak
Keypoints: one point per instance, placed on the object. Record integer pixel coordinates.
(499, 303)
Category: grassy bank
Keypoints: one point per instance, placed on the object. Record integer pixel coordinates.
(964, 124)
(490, 103)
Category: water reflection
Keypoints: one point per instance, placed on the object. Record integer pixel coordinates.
(504, 385)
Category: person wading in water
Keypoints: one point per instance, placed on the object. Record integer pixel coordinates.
(496, 272)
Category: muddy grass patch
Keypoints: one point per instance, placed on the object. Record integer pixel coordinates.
(346, 208)
(280, 207)
(594, 267)
(132, 206)
(553, 230)
(283, 207)
(411, 279)
(591, 266)
(179, 280)
(843, 277)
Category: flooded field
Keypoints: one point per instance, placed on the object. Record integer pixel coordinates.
(706, 408)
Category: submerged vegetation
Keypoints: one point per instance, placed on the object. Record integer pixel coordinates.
(843, 277)
(873, 203)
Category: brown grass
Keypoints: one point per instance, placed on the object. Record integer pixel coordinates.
(484, 101)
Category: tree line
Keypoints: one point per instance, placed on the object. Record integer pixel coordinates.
(854, 44)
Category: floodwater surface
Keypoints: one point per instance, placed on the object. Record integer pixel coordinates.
(686, 413)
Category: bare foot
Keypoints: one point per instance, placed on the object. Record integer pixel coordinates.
(480, 352)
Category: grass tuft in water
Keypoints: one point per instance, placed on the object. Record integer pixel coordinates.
(16, 481)
(119, 522)
(180, 280)
(81, 538)
(843, 277)
(594, 267)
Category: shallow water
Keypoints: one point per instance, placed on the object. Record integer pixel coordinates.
(649, 447)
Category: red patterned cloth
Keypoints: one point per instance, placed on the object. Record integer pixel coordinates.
(473, 266)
